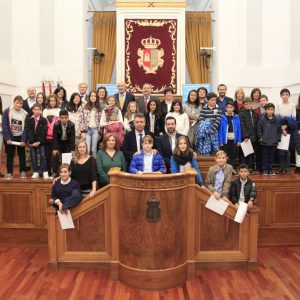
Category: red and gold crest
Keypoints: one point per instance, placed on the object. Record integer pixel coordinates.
(150, 57)
(156, 61)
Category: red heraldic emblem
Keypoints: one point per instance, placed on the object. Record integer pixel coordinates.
(150, 57)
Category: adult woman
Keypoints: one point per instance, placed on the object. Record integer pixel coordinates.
(182, 119)
(1, 135)
(165, 106)
(41, 100)
(89, 119)
(255, 96)
(61, 94)
(202, 93)
(73, 108)
(182, 158)
(102, 96)
(192, 108)
(109, 157)
(239, 96)
(154, 121)
(84, 170)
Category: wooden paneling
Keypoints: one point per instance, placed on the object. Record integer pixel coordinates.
(22, 207)
(158, 245)
(279, 200)
(213, 225)
(17, 208)
(89, 232)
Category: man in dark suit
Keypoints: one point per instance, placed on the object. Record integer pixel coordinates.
(133, 139)
(123, 97)
(82, 88)
(30, 101)
(223, 99)
(166, 143)
(143, 100)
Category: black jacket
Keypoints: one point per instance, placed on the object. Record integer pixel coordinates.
(38, 134)
(164, 148)
(159, 125)
(248, 124)
(249, 190)
(130, 146)
(57, 132)
(269, 130)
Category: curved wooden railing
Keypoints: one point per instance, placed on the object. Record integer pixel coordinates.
(115, 227)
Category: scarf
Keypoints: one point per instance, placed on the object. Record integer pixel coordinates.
(183, 158)
(111, 113)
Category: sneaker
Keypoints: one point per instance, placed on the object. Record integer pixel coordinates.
(271, 173)
(23, 175)
(9, 176)
(35, 175)
(46, 175)
(265, 173)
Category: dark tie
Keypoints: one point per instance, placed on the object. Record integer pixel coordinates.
(141, 141)
(146, 103)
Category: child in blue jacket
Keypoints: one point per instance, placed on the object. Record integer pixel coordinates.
(230, 133)
(182, 158)
(147, 161)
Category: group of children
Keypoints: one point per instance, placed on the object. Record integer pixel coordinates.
(242, 122)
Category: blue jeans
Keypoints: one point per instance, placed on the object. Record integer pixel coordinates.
(267, 157)
(92, 137)
(34, 158)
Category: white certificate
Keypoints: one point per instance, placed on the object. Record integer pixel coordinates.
(66, 220)
(247, 148)
(241, 212)
(285, 142)
(218, 206)
(16, 143)
(66, 158)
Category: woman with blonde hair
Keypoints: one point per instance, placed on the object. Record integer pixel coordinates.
(239, 96)
(84, 170)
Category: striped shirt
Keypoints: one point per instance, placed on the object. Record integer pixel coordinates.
(213, 114)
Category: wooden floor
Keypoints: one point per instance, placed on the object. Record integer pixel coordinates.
(24, 275)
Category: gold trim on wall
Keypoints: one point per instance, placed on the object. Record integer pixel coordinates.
(150, 4)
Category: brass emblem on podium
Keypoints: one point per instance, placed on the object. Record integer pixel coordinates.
(150, 57)
(153, 210)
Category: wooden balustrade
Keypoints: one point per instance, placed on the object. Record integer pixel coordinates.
(112, 228)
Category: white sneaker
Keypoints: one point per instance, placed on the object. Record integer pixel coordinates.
(35, 175)
(46, 175)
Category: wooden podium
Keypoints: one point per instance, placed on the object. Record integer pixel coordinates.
(152, 231)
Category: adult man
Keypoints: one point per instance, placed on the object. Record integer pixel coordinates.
(145, 98)
(222, 99)
(123, 97)
(166, 142)
(133, 139)
(30, 101)
(82, 88)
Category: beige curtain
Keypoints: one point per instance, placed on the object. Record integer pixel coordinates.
(198, 34)
(104, 38)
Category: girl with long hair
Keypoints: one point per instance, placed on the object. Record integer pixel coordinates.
(89, 117)
(192, 108)
(182, 158)
(132, 110)
(74, 107)
(112, 120)
(154, 121)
